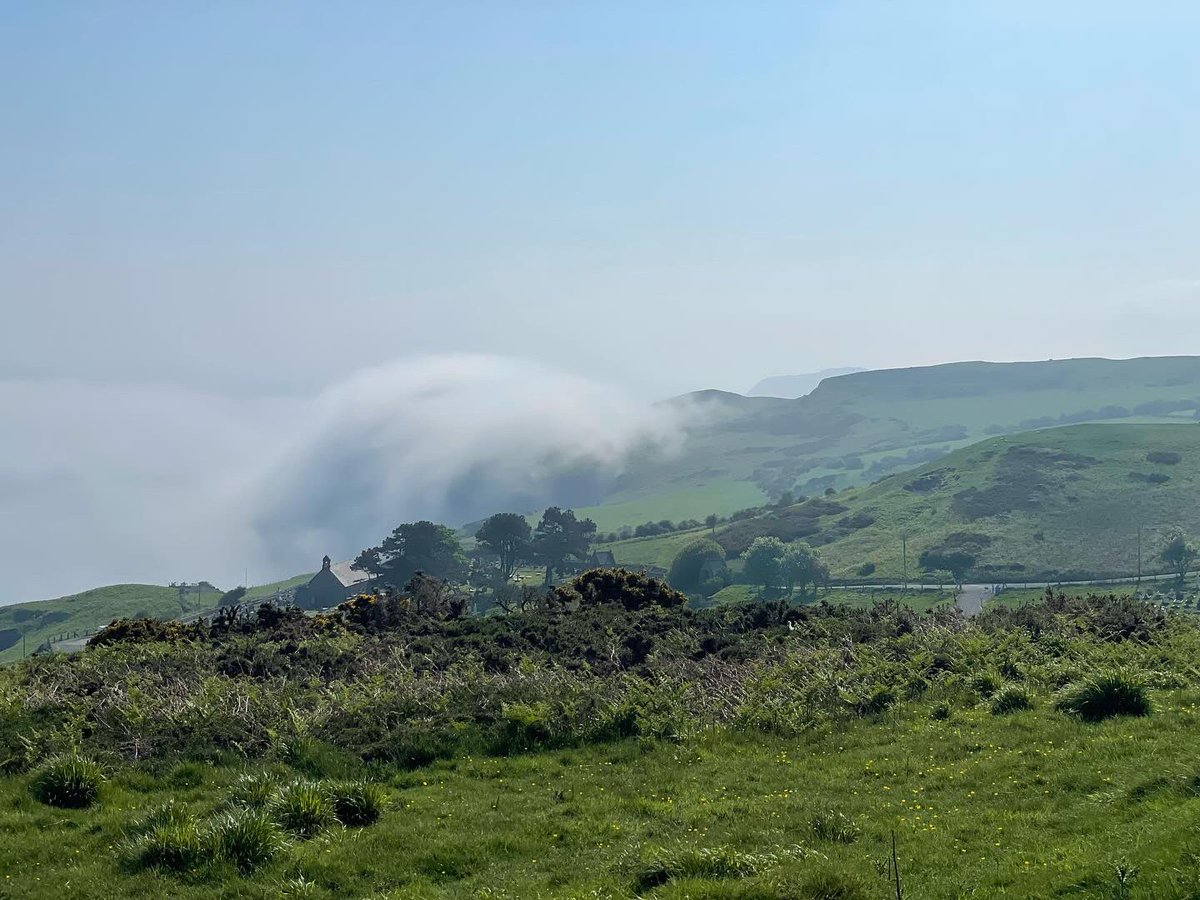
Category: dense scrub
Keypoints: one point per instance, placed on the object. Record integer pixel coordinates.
(610, 656)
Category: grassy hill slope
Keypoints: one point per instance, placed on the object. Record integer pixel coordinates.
(43, 620)
(1057, 502)
(856, 428)
(625, 747)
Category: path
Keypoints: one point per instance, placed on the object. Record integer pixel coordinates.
(970, 598)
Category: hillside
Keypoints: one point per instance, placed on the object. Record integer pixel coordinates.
(1054, 503)
(43, 620)
(793, 386)
(620, 745)
(854, 429)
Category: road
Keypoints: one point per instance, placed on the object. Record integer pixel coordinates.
(970, 598)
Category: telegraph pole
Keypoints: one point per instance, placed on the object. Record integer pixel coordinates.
(904, 558)
(1139, 545)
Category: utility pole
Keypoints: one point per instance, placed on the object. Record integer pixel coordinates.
(904, 558)
(1139, 572)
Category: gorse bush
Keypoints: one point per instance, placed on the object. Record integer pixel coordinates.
(304, 808)
(248, 839)
(1104, 696)
(358, 803)
(1009, 699)
(69, 781)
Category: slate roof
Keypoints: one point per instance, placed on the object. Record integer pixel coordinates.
(347, 575)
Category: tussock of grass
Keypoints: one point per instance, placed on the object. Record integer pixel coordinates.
(170, 839)
(254, 790)
(69, 781)
(1011, 698)
(304, 809)
(707, 862)
(358, 803)
(1104, 696)
(248, 839)
(834, 825)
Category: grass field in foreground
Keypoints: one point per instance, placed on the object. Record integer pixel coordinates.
(1028, 805)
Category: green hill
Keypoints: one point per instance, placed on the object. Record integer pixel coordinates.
(857, 428)
(26, 626)
(1054, 503)
(43, 620)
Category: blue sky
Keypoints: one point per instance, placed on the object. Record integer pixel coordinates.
(691, 195)
(213, 215)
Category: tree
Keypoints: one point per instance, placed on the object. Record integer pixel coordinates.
(507, 535)
(711, 521)
(1179, 555)
(434, 597)
(560, 536)
(232, 598)
(700, 557)
(957, 562)
(762, 561)
(801, 565)
(415, 547)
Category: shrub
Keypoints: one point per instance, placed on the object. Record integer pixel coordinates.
(358, 803)
(690, 563)
(304, 809)
(169, 839)
(69, 781)
(1104, 696)
(248, 839)
(940, 711)
(836, 826)
(1011, 698)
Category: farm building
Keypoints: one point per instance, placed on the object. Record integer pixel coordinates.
(333, 584)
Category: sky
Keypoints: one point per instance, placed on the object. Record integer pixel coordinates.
(215, 217)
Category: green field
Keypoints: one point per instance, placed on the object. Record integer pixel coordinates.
(857, 428)
(1059, 502)
(780, 764)
(1033, 805)
(691, 503)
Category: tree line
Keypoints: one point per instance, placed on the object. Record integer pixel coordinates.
(558, 538)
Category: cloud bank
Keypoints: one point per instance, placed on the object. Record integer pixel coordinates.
(151, 483)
